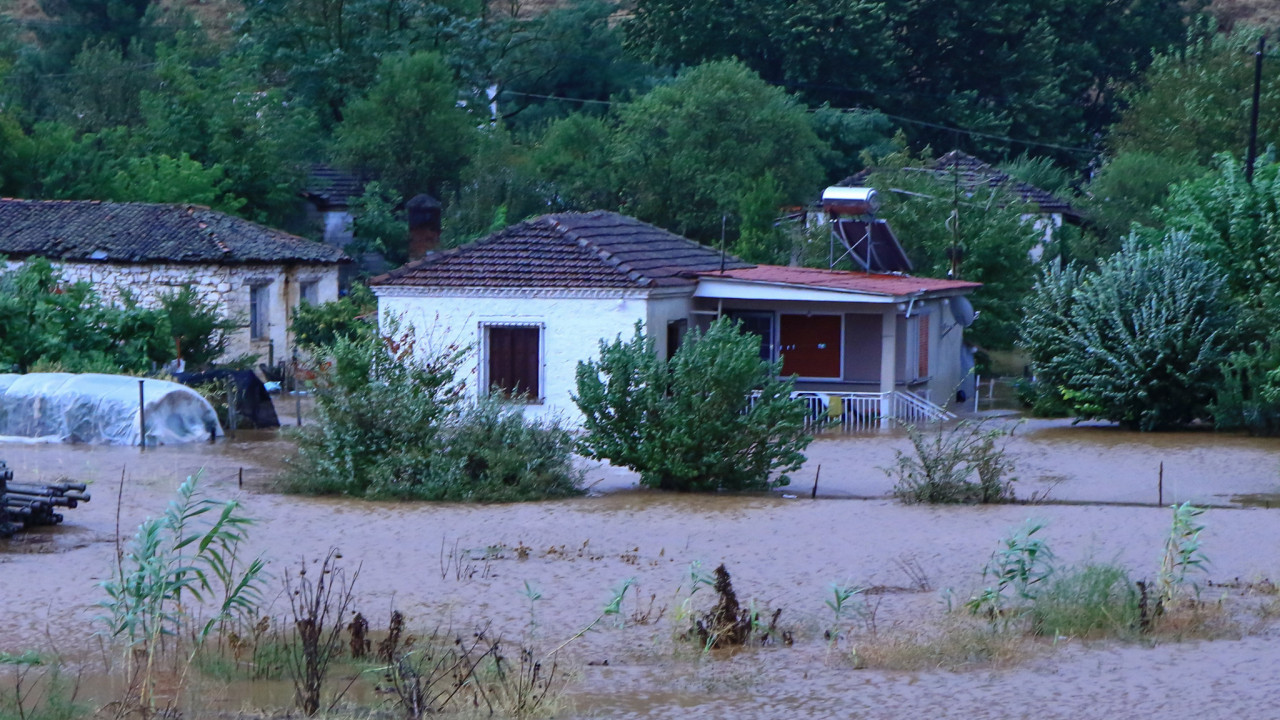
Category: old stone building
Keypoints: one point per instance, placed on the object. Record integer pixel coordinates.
(257, 275)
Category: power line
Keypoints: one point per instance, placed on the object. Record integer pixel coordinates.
(901, 118)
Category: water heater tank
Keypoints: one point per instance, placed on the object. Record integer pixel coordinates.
(850, 201)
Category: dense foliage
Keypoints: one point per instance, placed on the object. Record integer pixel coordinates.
(48, 324)
(713, 417)
(394, 423)
(1027, 68)
(672, 111)
(351, 317)
(1140, 342)
(930, 216)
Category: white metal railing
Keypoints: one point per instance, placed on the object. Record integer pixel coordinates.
(912, 409)
(865, 410)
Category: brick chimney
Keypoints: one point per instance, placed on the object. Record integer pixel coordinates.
(424, 225)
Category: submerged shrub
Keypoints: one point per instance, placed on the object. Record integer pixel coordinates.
(714, 417)
(1140, 342)
(393, 423)
(1094, 600)
(965, 463)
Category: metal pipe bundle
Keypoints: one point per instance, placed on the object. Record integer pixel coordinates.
(25, 505)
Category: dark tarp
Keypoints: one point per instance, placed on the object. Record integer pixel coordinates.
(253, 405)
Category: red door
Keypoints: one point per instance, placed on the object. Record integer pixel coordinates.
(810, 345)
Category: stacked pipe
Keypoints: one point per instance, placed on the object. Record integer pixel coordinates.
(24, 505)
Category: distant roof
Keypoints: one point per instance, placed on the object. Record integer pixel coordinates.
(566, 250)
(974, 174)
(330, 186)
(147, 232)
(872, 284)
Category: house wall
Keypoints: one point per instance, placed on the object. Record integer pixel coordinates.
(572, 322)
(862, 343)
(227, 285)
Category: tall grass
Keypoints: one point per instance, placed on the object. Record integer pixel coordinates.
(1090, 601)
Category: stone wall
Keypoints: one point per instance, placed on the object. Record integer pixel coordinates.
(227, 285)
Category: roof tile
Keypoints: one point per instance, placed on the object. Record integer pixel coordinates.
(147, 232)
(566, 250)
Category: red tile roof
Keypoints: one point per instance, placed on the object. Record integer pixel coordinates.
(896, 285)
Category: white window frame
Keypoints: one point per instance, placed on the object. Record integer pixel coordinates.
(482, 371)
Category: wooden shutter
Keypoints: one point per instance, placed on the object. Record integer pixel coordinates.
(514, 361)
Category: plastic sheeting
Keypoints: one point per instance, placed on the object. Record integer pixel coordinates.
(101, 410)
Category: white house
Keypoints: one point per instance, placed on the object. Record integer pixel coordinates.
(537, 297)
(256, 274)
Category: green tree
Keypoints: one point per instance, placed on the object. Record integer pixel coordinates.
(49, 323)
(163, 179)
(122, 25)
(760, 240)
(688, 151)
(408, 128)
(326, 51)
(805, 44)
(691, 423)
(1237, 224)
(572, 50)
(218, 114)
(1195, 102)
(1140, 342)
(497, 188)
(378, 224)
(1043, 71)
(352, 317)
(573, 160)
(198, 329)
(992, 229)
(1129, 188)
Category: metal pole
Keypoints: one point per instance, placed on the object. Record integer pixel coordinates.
(1253, 117)
(231, 407)
(142, 418)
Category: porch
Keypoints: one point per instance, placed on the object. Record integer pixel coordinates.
(865, 350)
(860, 411)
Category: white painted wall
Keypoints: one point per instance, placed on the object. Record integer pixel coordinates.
(572, 321)
(227, 285)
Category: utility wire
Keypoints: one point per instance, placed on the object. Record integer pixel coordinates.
(901, 118)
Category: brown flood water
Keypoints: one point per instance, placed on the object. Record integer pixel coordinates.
(783, 552)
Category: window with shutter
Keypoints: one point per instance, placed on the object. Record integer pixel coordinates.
(514, 361)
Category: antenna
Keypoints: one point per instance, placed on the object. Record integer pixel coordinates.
(723, 219)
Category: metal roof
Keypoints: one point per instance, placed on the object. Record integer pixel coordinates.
(843, 280)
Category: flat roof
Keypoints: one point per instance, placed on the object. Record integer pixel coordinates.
(842, 280)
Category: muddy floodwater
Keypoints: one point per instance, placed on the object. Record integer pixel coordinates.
(461, 566)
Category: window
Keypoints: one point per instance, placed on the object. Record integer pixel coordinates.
(676, 330)
(309, 292)
(514, 360)
(757, 323)
(259, 312)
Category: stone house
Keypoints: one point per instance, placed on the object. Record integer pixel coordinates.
(534, 299)
(256, 274)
